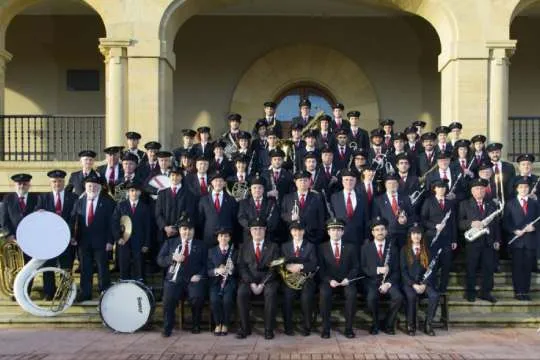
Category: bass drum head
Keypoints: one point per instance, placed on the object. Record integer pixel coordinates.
(43, 235)
(126, 306)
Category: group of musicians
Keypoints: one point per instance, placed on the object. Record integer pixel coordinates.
(346, 211)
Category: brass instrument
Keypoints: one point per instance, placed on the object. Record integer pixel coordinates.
(295, 211)
(11, 262)
(313, 123)
(474, 233)
(296, 280)
(119, 192)
(239, 190)
(231, 147)
(175, 268)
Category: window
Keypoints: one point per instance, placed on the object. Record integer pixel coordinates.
(287, 102)
(83, 80)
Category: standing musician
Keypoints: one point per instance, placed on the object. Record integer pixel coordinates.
(219, 161)
(387, 125)
(434, 209)
(257, 278)
(525, 166)
(76, 179)
(132, 140)
(129, 169)
(305, 117)
(442, 145)
(270, 120)
(262, 151)
(519, 213)
(198, 182)
(112, 171)
(413, 144)
(485, 171)
(368, 185)
(339, 265)
(455, 132)
(359, 159)
(279, 180)
(380, 263)
(188, 136)
(395, 209)
(445, 173)
(329, 171)
(479, 151)
(462, 162)
(216, 210)
(427, 159)
(259, 206)
(408, 181)
(503, 171)
(92, 229)
(231, 136)
(339, 122)
(185, 258)
(317, 180)
(482, 250)
(398, 148)
(305, 206)
(295, 161)
(325, 137)
(203, 147)
(148, 166)
(357, 134)
(342, 152)
(131, 250)
(415, 259)
(172, 203)
(377, 147)
(300, 257)
(222, 274)
(60, 202)
(351, 204)
(240, 172)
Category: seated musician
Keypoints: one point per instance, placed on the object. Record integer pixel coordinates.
(414, 267)
(300, 257)
(222, 260)
(185, 258)
(338, 262)
(380, 263)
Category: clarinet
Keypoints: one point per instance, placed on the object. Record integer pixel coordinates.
(386, 261)
(228, 271)
(430, 267)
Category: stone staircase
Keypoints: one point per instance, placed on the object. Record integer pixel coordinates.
(506, 312)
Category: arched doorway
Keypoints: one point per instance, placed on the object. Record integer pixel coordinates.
(287, 102)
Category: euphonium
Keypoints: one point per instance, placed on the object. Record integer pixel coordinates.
(239, 190)
(11, 262)
(296, 280)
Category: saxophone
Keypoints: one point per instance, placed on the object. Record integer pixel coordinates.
(474, 233)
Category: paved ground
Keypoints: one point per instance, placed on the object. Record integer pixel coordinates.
(101, 344)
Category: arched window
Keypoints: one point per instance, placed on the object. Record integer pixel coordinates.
(287, 101)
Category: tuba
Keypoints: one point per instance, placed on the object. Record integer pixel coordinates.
(43, 235)
(294, 281)
(11, 262)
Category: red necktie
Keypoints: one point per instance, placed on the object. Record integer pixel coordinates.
(379, 252)
(429, 157)
(204, 188)
(441, 204)
(394, 205)
(223, 252)
(276, 176)
(336, 252)
(258, 253)
(387, 140)
(524, 206)
(241, 178)
(328, 174)
(417, 252)
(311, 181)
(91, 213)
(217, 205)
(369, 192)
(481, 207)
(22, 204)
(463, 165)
(186, 252)
(58, 205)
(133, 206)
(349, 206)
(111, 176)
(173, 189)
(302, 201)
(488, 189)
(496, 169)
(258, 206)
(444, 177)
(297, 251)
(443, 147)
(341, 153)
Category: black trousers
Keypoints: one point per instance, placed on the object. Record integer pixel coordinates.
(87, 256)
(306, 295)
(522, 263)
(270, 304)
(130, 259)
(174, 292)
(327, 291)
(444, 263)
(411, 297)
(222, 303)
(373, 297)
(480, 255)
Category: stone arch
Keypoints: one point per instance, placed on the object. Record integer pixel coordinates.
(281, 68)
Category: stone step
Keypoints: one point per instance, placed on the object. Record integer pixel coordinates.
(501, 278)
(514, 319)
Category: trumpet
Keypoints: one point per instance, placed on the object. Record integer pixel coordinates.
(175, 268)
(295, 212)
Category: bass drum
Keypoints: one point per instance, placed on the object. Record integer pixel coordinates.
(127, 306)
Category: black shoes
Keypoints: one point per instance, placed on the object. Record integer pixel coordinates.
(374, 330)
(166, 333)
(349, 333)
(268, 334)
(429, 330)
(241, 334)
(306, 332)
(411, 331)
(325, 334)
(289, 332)
(470, 297)
(390, 331)
(488, 297)
(196, 329)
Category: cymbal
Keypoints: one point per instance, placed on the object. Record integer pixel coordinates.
(126, 226)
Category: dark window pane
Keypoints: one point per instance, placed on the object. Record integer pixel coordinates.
(83, 80)
(287, 107)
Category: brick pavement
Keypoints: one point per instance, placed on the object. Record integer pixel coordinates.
(457, 344)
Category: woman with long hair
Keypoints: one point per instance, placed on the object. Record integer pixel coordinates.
(414, 263)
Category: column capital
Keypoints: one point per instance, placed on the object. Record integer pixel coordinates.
(5, 56)
(501, 48)
(113, 47)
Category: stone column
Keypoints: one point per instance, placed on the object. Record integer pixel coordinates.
(115, 53)
(499, 54)
(5, 57)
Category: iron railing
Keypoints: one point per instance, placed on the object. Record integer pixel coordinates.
(49, 137)
(524, 136)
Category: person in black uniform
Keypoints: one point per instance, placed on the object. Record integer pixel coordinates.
(427, 159)
(387, 125)
(380, 264)
(279, 180)
(434, 209)
(408, 181)
(338, 122)
(357, 134)
(502, 170)
(149, 166)
(339, 264)
(185, 258)
(132, 140)
(325, 137)
(300, 257)
(76, 179)
(172, 203)
(92, 228)
(188, 136)
(442, 145)
(219, 162)
(482, 250)
(131, 250)
(203, 147)
(230, 138)
(112, 170)
(414, 261)
(270, 120)
(519, 212)
(222, 274)
(304, 118)
(61, 203)
(342, 152)
(305, 206)
(257, 278)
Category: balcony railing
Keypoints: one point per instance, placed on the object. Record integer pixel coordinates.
(524, 136)
(49, 137)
